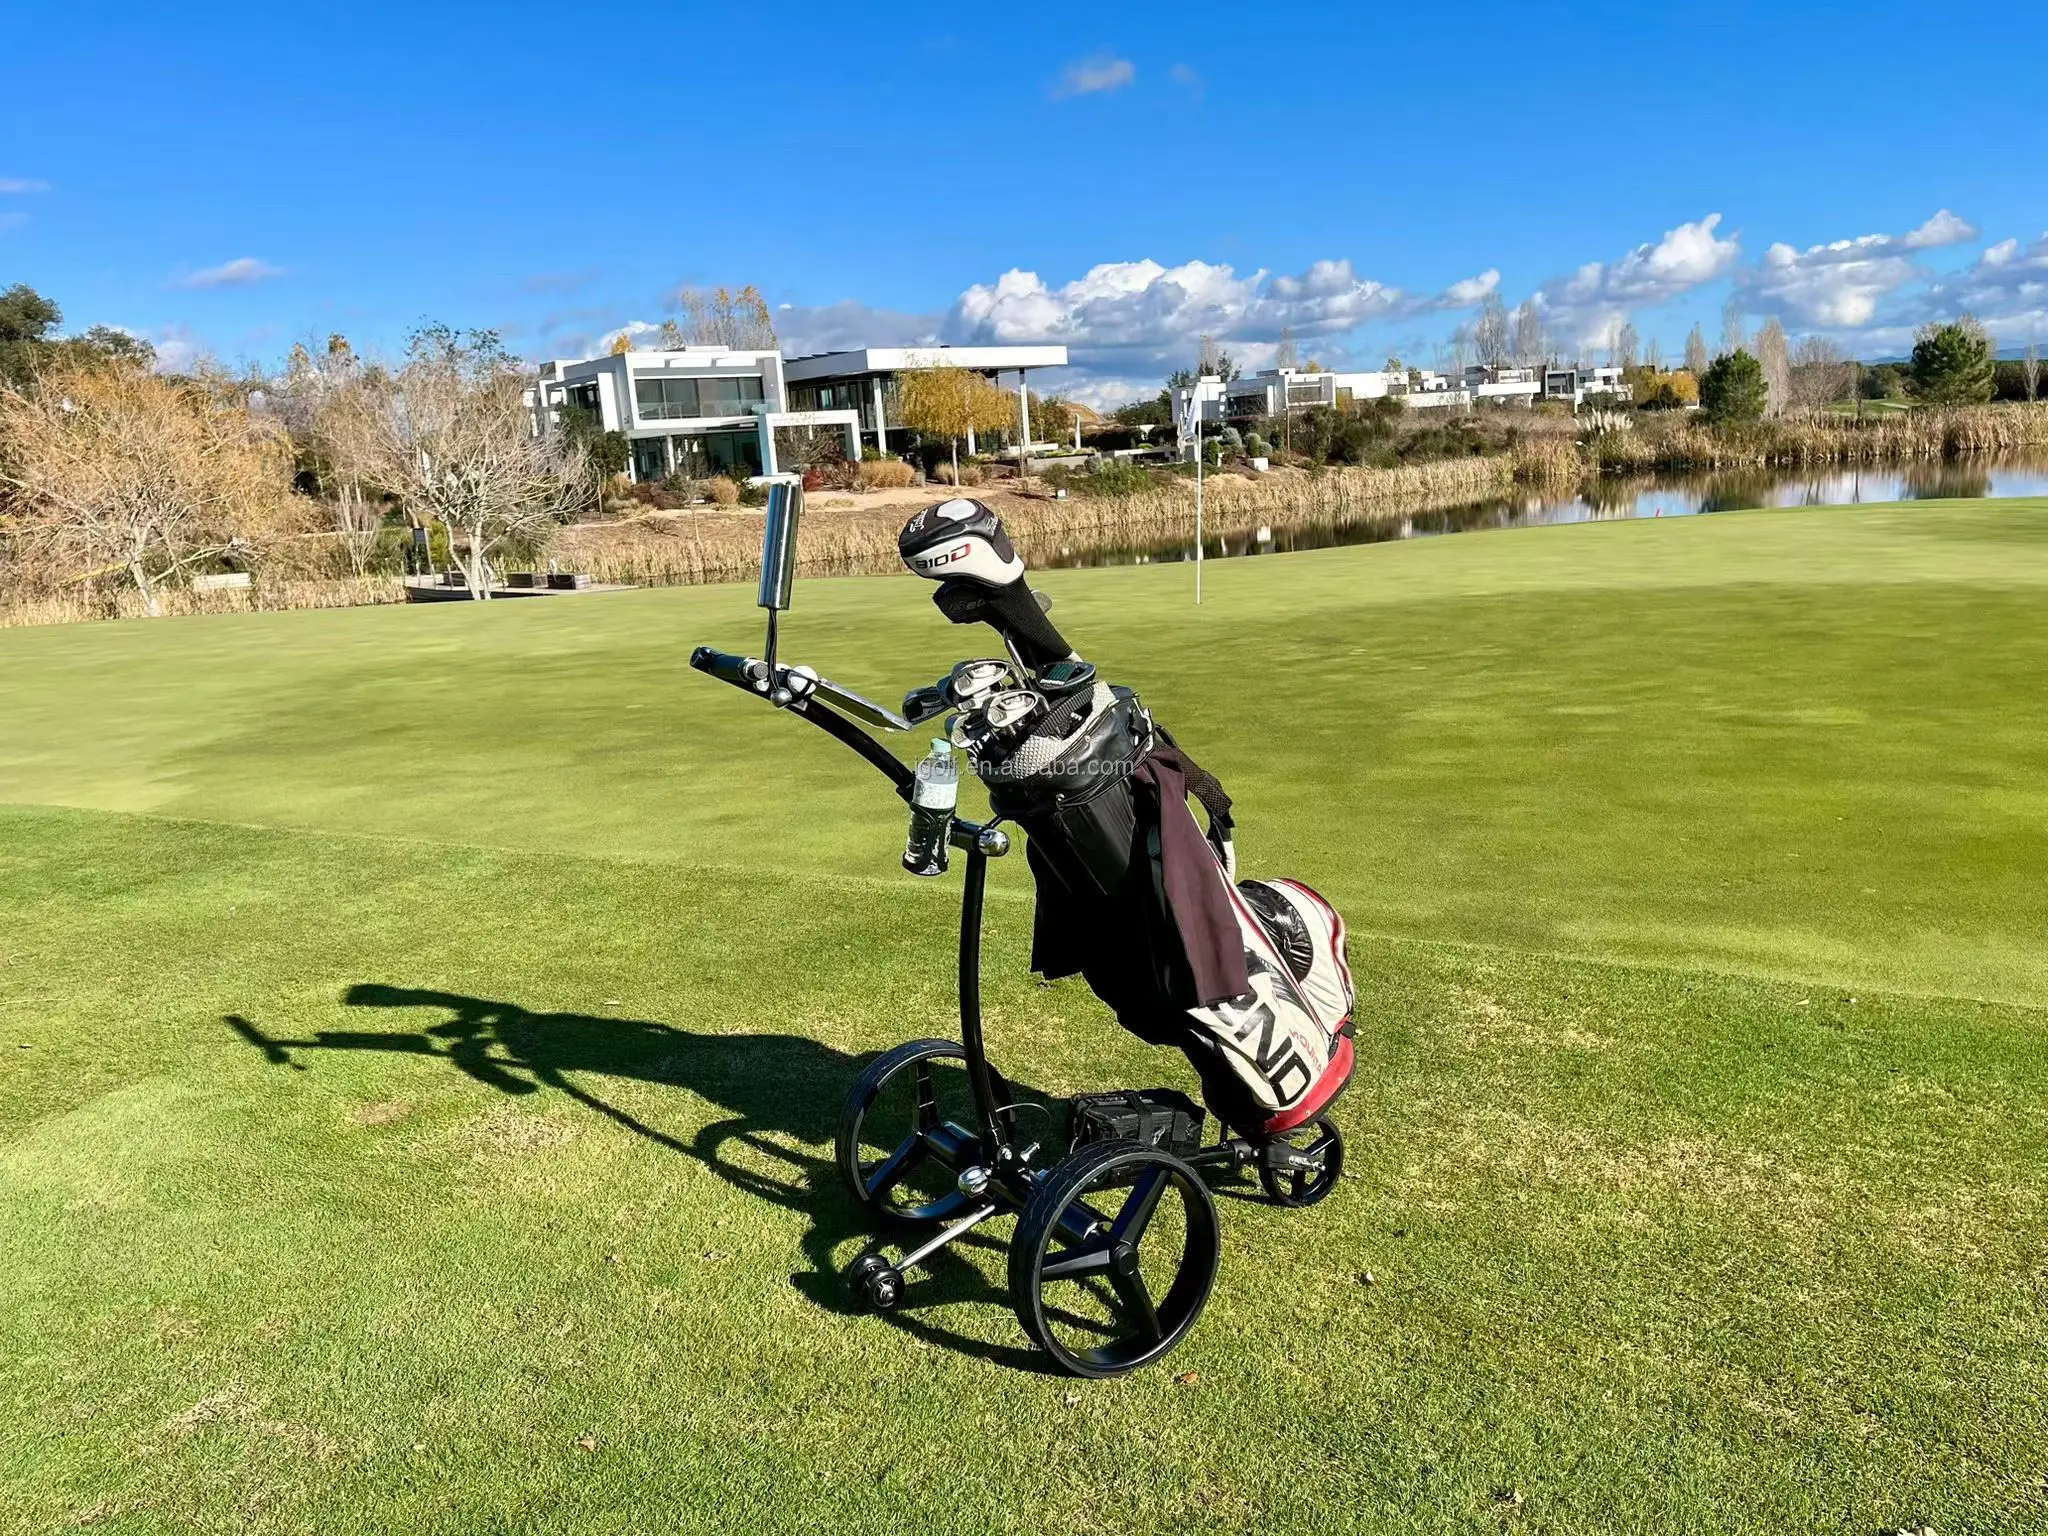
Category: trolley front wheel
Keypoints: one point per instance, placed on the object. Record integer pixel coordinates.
(1300, 1166)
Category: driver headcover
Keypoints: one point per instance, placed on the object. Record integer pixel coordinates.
(960, 540)
(961, 545)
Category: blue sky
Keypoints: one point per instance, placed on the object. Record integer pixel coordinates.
(232, 178)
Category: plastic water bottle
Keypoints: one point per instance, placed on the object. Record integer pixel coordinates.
(933, 794)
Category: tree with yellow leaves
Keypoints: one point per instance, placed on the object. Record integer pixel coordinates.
(951, 403)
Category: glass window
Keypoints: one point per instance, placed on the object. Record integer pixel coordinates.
(666, 399)
(728, 397)
(650, 459)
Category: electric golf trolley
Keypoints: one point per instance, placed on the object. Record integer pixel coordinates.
(1116, 1244)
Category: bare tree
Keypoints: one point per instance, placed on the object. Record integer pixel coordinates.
(1287, 355)
(1695, 351)
(1775, 357)
(1653, 355)
(1460, 349)
(1528, 334)
(1622, 347)
(326, 403)
(2030, 369)
(727, 317)
(1492, 334)
(449, 436)
(115, 474)
(1733, 337)
(1819, 375)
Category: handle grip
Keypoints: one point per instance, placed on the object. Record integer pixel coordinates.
(740, 671)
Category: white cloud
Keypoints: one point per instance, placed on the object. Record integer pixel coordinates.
(1469, 291)
(177, 349)
(1189, 79)
(1944, 228)
(1592, 300)
(1094, 75)
(242, 272)
(1121, 316)
(634, 331)
(1839, 285)
(21, 186)
(2006, 288)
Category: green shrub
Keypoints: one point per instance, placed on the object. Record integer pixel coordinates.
(1734, 389)
(1115, 477)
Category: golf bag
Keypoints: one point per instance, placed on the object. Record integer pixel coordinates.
(1248, 978)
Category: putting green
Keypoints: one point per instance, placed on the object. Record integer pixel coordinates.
(423, 1030)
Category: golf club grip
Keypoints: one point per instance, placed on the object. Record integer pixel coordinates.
(724, 666)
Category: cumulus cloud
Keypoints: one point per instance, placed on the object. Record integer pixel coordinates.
(1126, 314)
(1944, 228)
(1592, 300)
(242, 272)
(1840, 284)
(21, 186)
(2006, 287)
(1469, 291)
(1094, 75)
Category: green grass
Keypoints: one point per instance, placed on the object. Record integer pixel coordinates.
(1694, 871)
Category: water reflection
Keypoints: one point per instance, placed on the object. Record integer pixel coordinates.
(1676, 495)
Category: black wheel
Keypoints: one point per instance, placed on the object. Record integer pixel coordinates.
(876, 1281)
(1113, 1257)
(884, 1143)
(1300, 1166)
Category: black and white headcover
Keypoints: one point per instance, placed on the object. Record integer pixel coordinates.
(960, 540)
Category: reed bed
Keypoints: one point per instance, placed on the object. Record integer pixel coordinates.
(1789, 443)
(71, 607)
(688, 548)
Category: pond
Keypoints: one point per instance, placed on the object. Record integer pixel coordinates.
(1673, 495)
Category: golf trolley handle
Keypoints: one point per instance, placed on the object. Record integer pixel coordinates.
(753, 676)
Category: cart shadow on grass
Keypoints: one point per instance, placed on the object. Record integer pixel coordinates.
(783, 1092)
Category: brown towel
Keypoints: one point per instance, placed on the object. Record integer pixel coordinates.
(1196, 895)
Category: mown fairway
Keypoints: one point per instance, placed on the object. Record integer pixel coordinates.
(1695, 873)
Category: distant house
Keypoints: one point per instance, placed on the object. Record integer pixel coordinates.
(1572, 384)
(865, 380)
(710, 410)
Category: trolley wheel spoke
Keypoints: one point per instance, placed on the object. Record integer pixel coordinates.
(1131, 1288)
(1136, 1215)
(896, 1167)
(1075, 1263)
(927, 1098)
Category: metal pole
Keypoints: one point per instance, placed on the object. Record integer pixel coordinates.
(970, 998)
(1198, 499)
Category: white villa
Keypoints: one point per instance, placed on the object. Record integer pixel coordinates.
(709, 410)
(1276, 391)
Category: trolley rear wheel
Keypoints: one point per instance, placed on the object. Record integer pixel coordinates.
(905, 1100)
(1300, 1166)
(1114, 1257)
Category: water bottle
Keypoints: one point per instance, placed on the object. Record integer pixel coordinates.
(933, 794)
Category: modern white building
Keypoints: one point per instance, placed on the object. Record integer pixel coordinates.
(709, 410)
(701, 411)
(865, 380)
